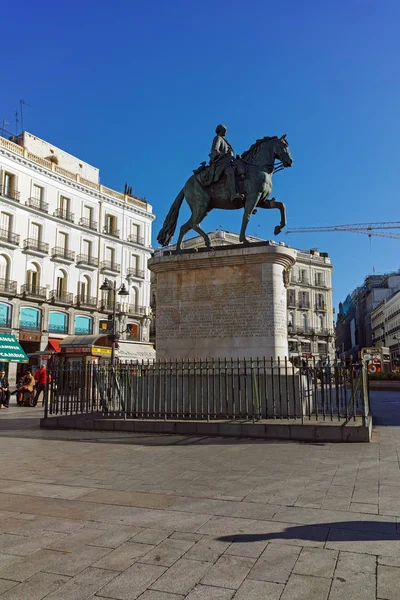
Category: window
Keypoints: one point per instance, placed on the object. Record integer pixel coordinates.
(303, 300)
(111, 225)
(132, 331)
(37, 192)
(322, 348)
(29, 318)
(305, 322)
(303, 276)
(321, 322)
(65, 204)
(306, 347)
(110, 255)
(291, 320)
(135, 233)
(5, 315)
(36, 232)
(4, 267)
(58, 322)
(33, 277)
(320, 301)
(84, 287)
(63, 240)
(61, 283)
(105, 326)
(86, 248)
(319, 278)
(292, 346)
(6, 222)
(291, 297)
(9, 184)
(83, 325)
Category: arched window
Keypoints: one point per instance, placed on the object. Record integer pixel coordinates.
(61, 283)
(5, 315)
(30, 318)
(58, 322)
(305, 322)
(291, 320)
(132, 331)
(33, 278)
(85, 287)
(4, 267)
(83, 325)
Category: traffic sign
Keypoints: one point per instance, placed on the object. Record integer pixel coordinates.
(374, 369)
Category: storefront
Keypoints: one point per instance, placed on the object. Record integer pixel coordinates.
(87, 348)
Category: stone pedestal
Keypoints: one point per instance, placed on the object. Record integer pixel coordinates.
(226, 302)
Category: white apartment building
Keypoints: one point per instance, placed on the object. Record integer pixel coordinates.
(385, 323)
(309, 298)
(61, 234)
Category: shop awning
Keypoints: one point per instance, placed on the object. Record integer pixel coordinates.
(128, 351)
(53, 345)
(10, 350)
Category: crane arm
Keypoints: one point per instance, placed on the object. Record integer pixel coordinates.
(362, 228)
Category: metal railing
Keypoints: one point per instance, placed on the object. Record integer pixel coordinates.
(83, 331)
(61, 297)
(251, 389)
(10, 194)
(36, 245)
(108, 265)
(63, 253)
(37, 203)
(34, 291)
(9, 237)
(133, 272)
(304, 304)
(7, 286)
(131, 309)
(321, 307)
(58, 328)
(136, 239)
(29, 326)
(88, 301)
(110, 230)
(66, 215)
(84, 259)
(84, 222)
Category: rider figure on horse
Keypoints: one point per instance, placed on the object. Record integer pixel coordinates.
(222, 159)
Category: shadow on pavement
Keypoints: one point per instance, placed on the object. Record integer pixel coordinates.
(339, 531)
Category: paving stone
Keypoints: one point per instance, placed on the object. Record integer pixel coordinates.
(358, 563)
(182, 576)
(364, 542)
(245, 510)
(228, 571)
(153, 595)
(123, 557)
(115, 537)
(125, 498)
(37, 587)
(259, 590)
(152, 536)
(45, 490)
(132, 582)
(275, 563)
(6, 584)
(250, 549)
(390, 561)
(23, 568)
(305, 587)
(388, 582)
(190, 537)
(24, 545)
(206, 592)
(83, 586)
(207, 550)
(357, 586)
(166, 553)
(77, 539)
(317, 562)
(72, 563)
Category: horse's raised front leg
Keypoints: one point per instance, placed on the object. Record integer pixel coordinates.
(251, 203)
(273, 203)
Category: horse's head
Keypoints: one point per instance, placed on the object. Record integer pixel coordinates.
(282, 152)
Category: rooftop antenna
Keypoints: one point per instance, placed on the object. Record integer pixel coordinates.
(22, 103)
(16, 122)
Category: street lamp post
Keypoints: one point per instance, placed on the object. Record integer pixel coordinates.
(108, 286)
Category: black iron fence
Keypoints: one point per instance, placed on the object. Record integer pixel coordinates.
(210, 389)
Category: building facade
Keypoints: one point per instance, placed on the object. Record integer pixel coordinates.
(61, 234)
(385, 324)
(309, 299)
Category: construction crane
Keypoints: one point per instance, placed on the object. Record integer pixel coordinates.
(375, 229)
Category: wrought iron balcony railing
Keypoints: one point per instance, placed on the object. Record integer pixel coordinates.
(321, 307)
(9, 237)
(61, 213)
(8, 287)
(37, 203)
(84, 222)
(304, 304)
(84, 259)
(36, 246)
(10, 194)
(88, 301)
(53, 328)
(34, 291)
(5, 323)
(108, 265)
(133, 272)
(135, 239)
(63, 253)
(83, 330)
(61, 297)
(109, 230)
(29, 326)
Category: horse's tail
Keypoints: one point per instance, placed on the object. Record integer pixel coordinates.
(169, 226)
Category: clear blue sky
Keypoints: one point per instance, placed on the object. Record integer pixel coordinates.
(137, 88)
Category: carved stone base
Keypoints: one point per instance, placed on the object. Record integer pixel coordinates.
(225, 302)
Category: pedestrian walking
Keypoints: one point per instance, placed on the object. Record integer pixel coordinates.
(41, 379)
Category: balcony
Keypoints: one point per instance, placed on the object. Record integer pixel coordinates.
(131, 309)
(65, 215)
(84, 222)
(8, 287)
(38, 204)
(324, 332)
(83, 330)
(85, 301)
(35, 246)
(291, 302)
(133, 272)
(107, 266)
(304, 304)
(33, 291)
(321, 307)
(110, 230)
(135, 239)
(58, 297)
(8, 238)
(62, 254)
(9, 194)
(58, 328)
(5, 323)
(29, 326)
(84, 260)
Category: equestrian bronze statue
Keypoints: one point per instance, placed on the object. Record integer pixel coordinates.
(230, 183)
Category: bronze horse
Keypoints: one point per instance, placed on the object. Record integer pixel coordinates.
(259, 162)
